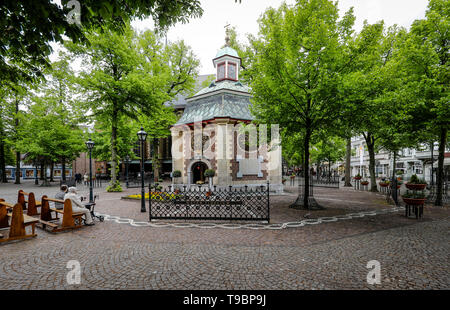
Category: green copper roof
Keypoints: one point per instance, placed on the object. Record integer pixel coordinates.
(216, 106)
(225, 84)
(227, 51)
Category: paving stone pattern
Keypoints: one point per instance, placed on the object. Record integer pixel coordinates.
(413, 254)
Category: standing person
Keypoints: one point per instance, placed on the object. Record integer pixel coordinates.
(60, 195)
(78, 178)
(77, 205)
(86, 179)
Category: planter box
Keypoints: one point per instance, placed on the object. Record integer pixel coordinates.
(414, 201)
(416, 187)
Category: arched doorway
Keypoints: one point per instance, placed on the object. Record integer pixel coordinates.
(198, 172)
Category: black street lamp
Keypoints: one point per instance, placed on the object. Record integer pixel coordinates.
(127, 162)
(142, 135)
(90, 146)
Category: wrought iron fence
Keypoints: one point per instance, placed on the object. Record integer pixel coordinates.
(331, 181)
(249, 204)
(326, 181)
(135, 182)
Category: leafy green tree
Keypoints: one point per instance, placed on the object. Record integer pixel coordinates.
(5, 133)
(129, 74)
(59, 91)
(12, 95)
(362, 87)
(424, 60)
(296, 69)
(46, 135)
(28, 27)
(158, 126)
(329, 149)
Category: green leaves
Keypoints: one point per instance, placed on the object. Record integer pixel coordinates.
(126, 81)
(28, 27)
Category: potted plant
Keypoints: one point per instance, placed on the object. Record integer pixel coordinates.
(210, 173)
(283, 180)
(357, 177)
(293, 176)
(414, 199)
(364, 182)
(400, 174)
(176, 174)
(384, 183)
(416, 184)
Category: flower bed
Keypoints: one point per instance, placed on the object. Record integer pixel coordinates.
(155, 196)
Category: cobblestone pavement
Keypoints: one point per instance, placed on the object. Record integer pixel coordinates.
(412, 254)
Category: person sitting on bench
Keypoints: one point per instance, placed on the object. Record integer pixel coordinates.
(77, 205)
(60, 195)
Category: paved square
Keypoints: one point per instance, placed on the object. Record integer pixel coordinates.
(331, 255)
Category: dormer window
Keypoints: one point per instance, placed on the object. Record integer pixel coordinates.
(221, 71)
(232, 71)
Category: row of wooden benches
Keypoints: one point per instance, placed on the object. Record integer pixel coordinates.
(19, 220)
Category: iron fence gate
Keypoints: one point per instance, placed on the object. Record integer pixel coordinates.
(249, 204)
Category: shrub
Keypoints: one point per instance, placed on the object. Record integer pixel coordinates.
(414, 195)
(415, 180)
(114, 187)
(210, 173)
(176, 174)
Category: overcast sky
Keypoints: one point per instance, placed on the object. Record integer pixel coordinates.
(207, 34)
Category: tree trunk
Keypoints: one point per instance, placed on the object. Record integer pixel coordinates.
(370, 141)
(306, 161)
(440, 172)
(42, 171)
(17, 168)
(155, 159)
(393, 165)
(432, 160)
(3, 162)
(52, 167)
(63, 169)
(45, 183)
(17, 153)
(348, 156)
(113, 147)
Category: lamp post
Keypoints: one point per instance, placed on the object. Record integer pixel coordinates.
(142, 135)
(127, 162)
(90, 146)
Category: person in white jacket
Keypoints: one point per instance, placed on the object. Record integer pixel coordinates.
(77, 205)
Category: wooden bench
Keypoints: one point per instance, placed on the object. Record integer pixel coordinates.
(70, 220)
(32, 203)
(19, 221)
(4, 207)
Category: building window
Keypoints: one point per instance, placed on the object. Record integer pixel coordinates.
(232, 71)
(221, 71)
(418, 168)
